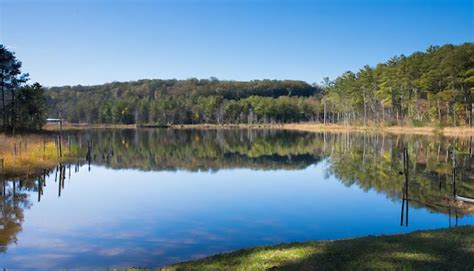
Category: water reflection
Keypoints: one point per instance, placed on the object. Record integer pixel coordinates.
(14, 200)
(405, 202)
(192, 193)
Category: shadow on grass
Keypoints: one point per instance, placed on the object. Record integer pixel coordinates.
(417, 251)
(448, 249)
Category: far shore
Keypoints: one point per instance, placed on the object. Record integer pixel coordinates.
(461, 131)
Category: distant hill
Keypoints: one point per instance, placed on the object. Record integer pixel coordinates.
(84, 103)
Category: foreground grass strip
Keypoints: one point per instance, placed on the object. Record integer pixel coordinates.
(447, 249)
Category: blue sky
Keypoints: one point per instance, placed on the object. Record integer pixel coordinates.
(91, 42)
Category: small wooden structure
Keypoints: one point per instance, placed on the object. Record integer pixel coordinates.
(51, 120)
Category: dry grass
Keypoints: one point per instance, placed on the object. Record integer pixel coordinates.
(449, 131)
(83, 126)
(337, 128)
(464, 208)
(29, 154)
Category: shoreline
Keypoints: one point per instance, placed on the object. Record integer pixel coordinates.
(462, 131)
(30, 154)
(438, 249)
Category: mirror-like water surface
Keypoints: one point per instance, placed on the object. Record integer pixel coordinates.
(153, 197)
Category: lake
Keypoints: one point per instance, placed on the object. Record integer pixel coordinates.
(153, 197)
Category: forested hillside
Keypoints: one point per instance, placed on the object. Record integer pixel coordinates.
(184, 101)
(435, 86)
(432, 86)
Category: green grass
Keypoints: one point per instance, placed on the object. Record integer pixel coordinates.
(447, 249)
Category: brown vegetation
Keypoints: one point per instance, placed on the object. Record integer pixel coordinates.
(448, 131)
(337, 128)
(29, 154)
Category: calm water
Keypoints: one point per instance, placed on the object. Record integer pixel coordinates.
(154, 197)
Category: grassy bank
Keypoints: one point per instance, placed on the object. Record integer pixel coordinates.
(447, 249)
(463, 131)
(31, 153)
(83, 126)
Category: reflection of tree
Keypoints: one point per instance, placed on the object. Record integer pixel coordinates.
(160, 149)
(15, 197)
(13, 200)
(374, 162)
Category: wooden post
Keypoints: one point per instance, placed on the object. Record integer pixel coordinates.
(14, 192)
(3, 165)
(40, 188)
(59, 183)
(60, 146)
(63, 175)
(406, 207)
(406, 170)
(454, 173)
(403, 209)
(60, 135)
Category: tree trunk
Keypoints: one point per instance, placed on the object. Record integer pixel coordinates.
(471, 113)
(325, 109)
(392, 104)
(3, 105)
(383, 115)
(439, 112)
(13, 111)
(454, 115)
(365, 112)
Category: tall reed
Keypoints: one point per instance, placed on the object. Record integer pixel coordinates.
(28, 154)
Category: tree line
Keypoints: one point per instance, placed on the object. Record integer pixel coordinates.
(435, 86)
(23, 106)
(186, 101)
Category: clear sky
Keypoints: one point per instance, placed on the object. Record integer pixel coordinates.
(91, 42)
